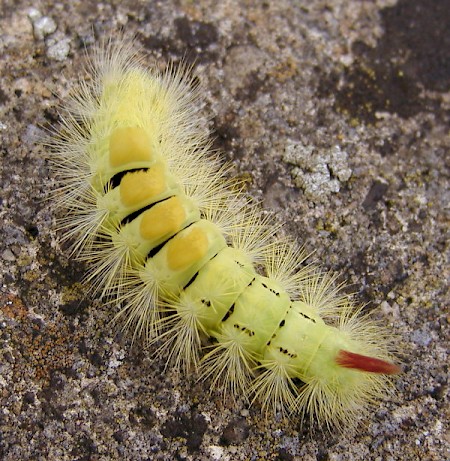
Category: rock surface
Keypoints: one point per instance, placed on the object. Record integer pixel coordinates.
(364, 87)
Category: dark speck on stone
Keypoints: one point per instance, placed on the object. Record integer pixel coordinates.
(191, 428)
(284, 455)
(29, 397)
(376, 193)
(235, 433)
(196, 33)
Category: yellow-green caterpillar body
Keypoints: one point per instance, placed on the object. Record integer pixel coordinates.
(189, 257)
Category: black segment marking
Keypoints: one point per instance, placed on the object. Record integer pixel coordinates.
(117, 178)
(195, 275)
(276, 293)
(191, 280)
(155, 250)
(307, 318)
(244, 329)
(230, 311)
(286, 352)
(136, 213)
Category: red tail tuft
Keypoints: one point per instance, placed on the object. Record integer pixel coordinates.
(360, 362)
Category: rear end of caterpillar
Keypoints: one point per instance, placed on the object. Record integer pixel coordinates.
(188, 257)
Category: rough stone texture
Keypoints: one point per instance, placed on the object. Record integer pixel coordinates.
(369, 79)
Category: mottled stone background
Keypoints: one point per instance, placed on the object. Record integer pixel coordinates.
(337, 114)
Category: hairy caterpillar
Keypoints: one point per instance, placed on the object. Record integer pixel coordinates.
(188, 257)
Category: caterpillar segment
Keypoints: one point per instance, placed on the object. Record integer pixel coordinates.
(188, 258)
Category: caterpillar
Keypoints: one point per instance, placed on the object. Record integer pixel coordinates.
(194, 266)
